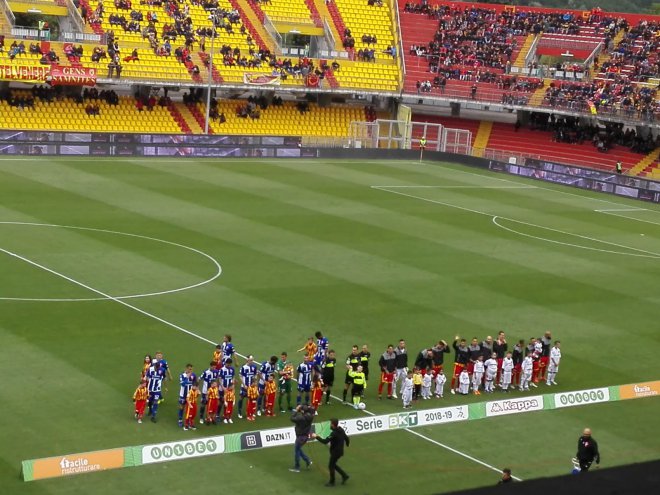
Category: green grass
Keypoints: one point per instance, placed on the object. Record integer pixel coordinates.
(307, 245)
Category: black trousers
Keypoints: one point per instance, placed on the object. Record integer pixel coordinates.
(584, 465)
(332, 466)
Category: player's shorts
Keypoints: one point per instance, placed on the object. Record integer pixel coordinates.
(552, 368)
(517, 369)
(386, 377)
(182, 400)
(318, 361)
(543, 361)
(470, 368)
(154, 396)
(243, 392)
(357, 390)
(304, 388)
(536, 364)
(490, 376)
(499, 363)
(261, 387)
(329, 380)
(285, 387)
(400, 374)
(437, 368)
(506, 377)
(458, 367)
(348, 380)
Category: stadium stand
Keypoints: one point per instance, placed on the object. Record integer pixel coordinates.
(288, 10)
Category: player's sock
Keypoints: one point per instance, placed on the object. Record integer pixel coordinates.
(345, 393)
(201, 411)
(154, 409)
(180, 414)
(327, 395)
(356, 400)
(389, 389)
(240, 406)
(298, 400)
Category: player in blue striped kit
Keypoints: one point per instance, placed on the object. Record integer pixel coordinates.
(186, 381)
(155, 377)
(209, 376)
(248, 373)
(267, 369)
(304, 380)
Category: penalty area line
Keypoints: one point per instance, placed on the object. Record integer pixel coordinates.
(204, 339)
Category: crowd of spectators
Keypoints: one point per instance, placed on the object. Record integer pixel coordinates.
(474, 37)
(636, 55)
(574, 130)
(618, 95)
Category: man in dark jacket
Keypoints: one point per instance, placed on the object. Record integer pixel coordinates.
(302, 417)
(587, 451)
(337, 440)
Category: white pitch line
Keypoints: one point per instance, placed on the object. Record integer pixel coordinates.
(129, 296)
(204, 339)
(107, 296)
(608, 212)
(647, 254)
(457, 187)
(570, 244)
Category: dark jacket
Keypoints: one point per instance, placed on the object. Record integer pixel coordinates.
(303, 420)
(587, 450)
(337, 439)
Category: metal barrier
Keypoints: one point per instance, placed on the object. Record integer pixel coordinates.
(6, 9)
(74, 15)
(272, 31)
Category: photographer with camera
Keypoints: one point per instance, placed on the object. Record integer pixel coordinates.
(302, 417)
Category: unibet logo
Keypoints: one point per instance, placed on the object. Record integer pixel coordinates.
(67, 464)
(403, 420)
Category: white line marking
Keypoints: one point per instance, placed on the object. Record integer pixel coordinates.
(130, 296)
(204, 339)
(457, 187)
(462, 454)
(622, 209)
(573, 245)
(582, 196)
(629, 218)
(106, 296)
(647, 254)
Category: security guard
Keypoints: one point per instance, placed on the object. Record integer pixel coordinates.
(364, 360)
(328, 374)
(619, 167)
(359, 384)
(422, 143)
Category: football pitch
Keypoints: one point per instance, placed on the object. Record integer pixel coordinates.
(106, 260)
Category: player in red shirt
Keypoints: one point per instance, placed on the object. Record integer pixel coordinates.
(191, 409)
(140, 398)
(212, 403)
(252, 396)
(317, 394)
(230, 397)
(269, 393)
(217, 357)
(146, 364)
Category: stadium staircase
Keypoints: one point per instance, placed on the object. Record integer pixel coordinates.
(646, 164)
(337, 21)
(200, 59)
(198, 115)
(191, 121)
(254, 24)
(654, 172)
(481, 140)
(536, 99)
(524, 49)
(324, 12)
(525, 142)
(179, 118)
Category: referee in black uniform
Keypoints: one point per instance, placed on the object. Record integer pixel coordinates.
(587, 451)
(337, 439)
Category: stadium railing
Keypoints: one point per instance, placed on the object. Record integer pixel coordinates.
(74, 15)
(6, 9)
